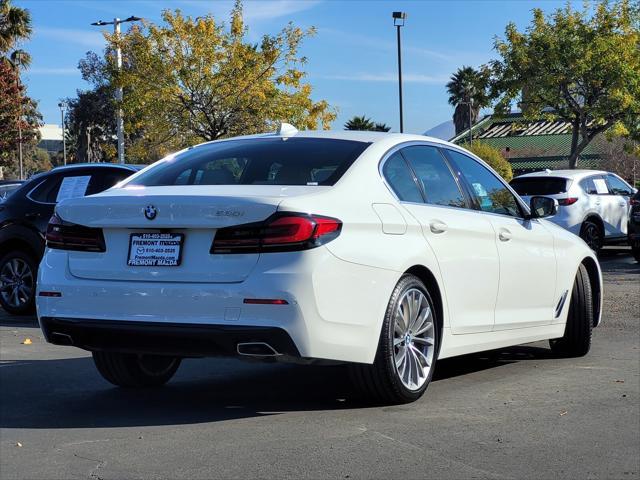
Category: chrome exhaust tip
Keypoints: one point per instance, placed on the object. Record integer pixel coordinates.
(256, 349)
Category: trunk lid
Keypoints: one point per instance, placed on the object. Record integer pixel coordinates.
(196, 212)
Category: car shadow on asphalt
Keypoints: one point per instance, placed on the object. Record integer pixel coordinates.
(69, 393)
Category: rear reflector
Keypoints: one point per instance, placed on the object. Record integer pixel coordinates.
(265, 301)
(282, 232)
(50, 294)
(567, 201)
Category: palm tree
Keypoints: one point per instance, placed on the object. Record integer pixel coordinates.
(468, 86)
(381, 127)
(15, 25)
(359, 123)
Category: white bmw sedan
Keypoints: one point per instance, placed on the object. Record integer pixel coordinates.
(384, 251)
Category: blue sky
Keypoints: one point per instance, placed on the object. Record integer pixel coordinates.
(352, 59)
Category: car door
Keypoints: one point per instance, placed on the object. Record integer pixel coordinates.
(618, 200)
(527, 286)
(462, 240)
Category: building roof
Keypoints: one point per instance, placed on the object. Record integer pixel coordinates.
(530, 140)
(50, 131)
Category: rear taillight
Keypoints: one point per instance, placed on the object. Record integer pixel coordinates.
(69, 236)
(634, 201)
(282, 232)
(567, 201)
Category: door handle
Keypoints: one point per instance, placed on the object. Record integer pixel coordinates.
(504, 235)
(437, 227)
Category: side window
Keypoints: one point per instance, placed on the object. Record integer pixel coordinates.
(492, 195)
(617, 186)
(432, 171)
(400, 179)
(47, 191)
(588, 186)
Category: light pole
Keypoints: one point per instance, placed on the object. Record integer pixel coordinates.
(398, 21)
(119, 121)
(63, 106)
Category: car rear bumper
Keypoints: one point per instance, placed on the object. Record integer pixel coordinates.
(176, 339)
(334, 309)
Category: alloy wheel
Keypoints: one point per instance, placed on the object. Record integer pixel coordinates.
(591, 236)
(413, 339)
(16, 282)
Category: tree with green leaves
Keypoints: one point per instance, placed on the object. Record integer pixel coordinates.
(91, 125)
(468, 92)
(493, 157)
(190, 80)
(359, 123)
(15, 26)
(572, 65)
(365, 124)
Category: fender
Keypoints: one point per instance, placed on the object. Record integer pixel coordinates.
(30, 238)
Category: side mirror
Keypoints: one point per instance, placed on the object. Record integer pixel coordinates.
(542, 207)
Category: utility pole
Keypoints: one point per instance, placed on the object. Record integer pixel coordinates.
(63, 106)
(398, 21)
(119, 93)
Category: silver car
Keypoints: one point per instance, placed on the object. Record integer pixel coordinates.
(592, 204)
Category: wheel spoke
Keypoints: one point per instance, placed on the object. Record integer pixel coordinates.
(397, 341)
(420, 357)
(423, 324)
(424, 340)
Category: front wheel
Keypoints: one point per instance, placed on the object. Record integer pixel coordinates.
(635, 250)
(131, 370)
(576, 341)
(407, 348)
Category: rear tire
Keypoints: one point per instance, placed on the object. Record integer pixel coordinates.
(576, 341)
(406, 355)
(131, 370)
(592, 234)
(635, 251)
(18, 272)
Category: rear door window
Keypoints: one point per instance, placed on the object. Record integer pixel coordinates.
(528, 186)
(261, 161)
(435, 177)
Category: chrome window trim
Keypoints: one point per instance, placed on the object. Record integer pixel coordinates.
(28, 195)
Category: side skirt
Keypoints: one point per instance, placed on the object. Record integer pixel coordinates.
(454, 345)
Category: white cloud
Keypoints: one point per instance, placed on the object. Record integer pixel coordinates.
(389, 77)
(254, 10)
(85, 38)
(53, 71)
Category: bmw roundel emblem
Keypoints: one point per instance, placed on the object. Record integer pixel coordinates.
(150, 212)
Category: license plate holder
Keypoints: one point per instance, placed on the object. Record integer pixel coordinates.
(155, 249)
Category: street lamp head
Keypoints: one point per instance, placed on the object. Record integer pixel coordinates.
(132, 19)
(399, 18)
(100, 23)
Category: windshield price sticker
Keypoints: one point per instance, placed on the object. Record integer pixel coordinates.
(155, 249)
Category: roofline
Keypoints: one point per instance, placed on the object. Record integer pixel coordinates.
(475, 126)
(72, 166)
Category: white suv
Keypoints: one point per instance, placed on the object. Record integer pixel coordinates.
(592, 204)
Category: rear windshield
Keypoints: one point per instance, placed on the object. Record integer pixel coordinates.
(263, 161)
(539, 185)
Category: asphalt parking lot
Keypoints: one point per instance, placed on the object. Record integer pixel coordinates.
(515, 413)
